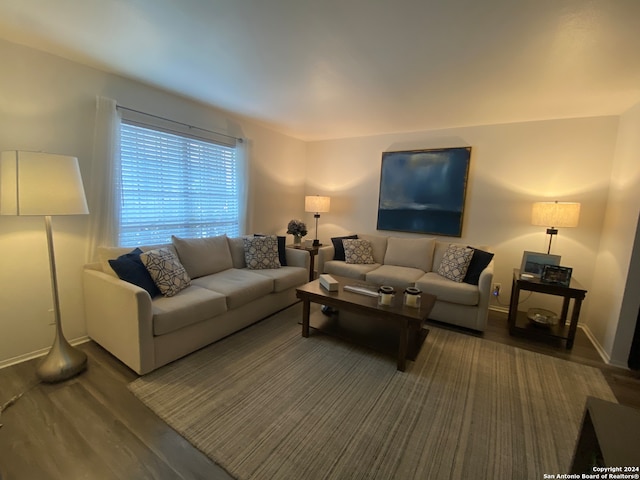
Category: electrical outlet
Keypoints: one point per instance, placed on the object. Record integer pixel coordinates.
(495, 290)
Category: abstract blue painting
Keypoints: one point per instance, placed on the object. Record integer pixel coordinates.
(423, 191)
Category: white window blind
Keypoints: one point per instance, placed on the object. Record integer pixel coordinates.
(175, 185)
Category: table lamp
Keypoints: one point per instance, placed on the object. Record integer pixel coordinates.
(553, 215)
(42, 184)
(317, 205)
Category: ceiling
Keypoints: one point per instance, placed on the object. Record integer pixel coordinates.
(341, 68)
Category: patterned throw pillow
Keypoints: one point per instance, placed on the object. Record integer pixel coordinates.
(166, 270)
(358, 251)
(282, 248)
(261, 252)
(455, 262)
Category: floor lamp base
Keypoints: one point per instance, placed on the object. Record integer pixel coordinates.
(62, 362)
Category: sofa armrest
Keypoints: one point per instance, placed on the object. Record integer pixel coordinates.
(119, 317)
(484, 287)
(325, 253)
(297, 257)
(486, 278)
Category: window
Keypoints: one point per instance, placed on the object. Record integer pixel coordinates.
(175, 185)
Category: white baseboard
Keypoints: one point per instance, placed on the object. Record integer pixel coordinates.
(38, 353)
(601, 351)
(499, 308)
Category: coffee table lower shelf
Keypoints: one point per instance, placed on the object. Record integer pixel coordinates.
(524, 326)
(373, 333)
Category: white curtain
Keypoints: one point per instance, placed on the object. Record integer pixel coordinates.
(242, 157)
(104, 194)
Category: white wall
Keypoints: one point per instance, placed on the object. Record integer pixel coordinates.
(48, 104)
(512, 166)
(614, 311)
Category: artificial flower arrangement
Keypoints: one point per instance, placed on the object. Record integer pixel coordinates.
(297, 228)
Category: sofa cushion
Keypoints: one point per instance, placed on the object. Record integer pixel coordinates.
(261, 252)
(338, 247)
(395, 276)
(191, 305)
(236, 248)
(166, 270)
(410, 252)
(203, 256)
(239, 286)
(358, 251)
(479, 261)
(379, 245)
(285, 278)
(455, 262)
(447, 290)
(351, 270)
(130, 268)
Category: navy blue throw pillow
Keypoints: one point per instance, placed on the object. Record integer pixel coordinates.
(282, 253)
(130, 268)
(479, 262)
(339, 246)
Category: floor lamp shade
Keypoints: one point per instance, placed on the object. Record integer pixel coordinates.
(553, 215)
(34, 183)
(317, 205)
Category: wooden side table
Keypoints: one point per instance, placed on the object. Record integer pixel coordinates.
(313, 251)
(520, 324)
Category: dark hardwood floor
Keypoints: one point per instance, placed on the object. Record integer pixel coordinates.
(92, 427)
(89, 427)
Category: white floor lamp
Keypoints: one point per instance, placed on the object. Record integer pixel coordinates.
(43, 184)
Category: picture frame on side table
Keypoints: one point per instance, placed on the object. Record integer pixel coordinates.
(556, 275)
(533, 263)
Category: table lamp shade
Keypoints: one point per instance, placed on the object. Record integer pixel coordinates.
(555, 214)
(34, 183)
(316, 204)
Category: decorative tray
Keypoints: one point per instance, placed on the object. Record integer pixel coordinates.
(541, 317)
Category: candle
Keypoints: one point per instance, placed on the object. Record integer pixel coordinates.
(412, 297)
(385, 295)
(411, 300)
(385, 298)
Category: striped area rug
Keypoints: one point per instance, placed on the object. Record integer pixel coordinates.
(266, 403)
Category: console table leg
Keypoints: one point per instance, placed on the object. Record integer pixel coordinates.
(402, 349)
(565, 310)
(306, 309)
(573, 326)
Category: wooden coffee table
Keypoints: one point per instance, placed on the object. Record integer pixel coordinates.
(409, 320)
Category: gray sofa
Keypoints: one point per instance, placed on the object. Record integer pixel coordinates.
(404, 262)
(223, 297)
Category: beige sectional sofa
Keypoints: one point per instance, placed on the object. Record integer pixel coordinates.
(404, 262)
(223, 296)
